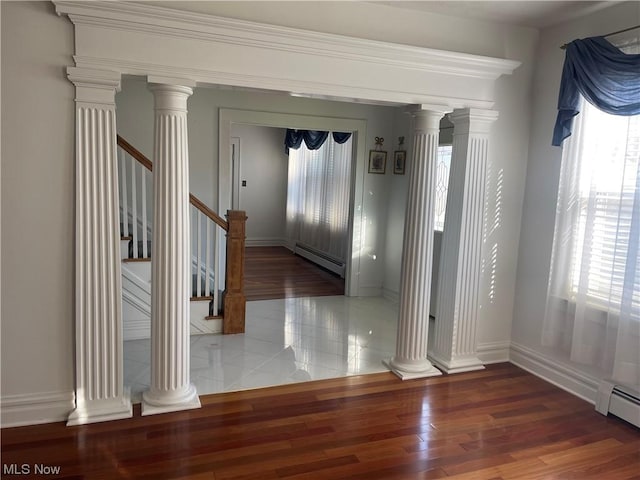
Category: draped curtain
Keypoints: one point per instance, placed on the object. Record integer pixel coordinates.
(593, 303)
(604, 75)
(318, 197)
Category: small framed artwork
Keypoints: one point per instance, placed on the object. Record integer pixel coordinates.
(399, 160)
(377, 161)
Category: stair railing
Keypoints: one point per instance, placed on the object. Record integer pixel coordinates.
(136, 183)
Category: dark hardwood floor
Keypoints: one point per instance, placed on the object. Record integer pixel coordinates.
(499, 423)
(275, 272)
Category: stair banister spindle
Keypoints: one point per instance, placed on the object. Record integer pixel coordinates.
(134, 208)
(205, 262)
(207, 247)
(123, 194)
(198, 254)
(143, 201)
(216, 280)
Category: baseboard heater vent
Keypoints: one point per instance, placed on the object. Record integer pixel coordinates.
(621, 400)
(319, 258)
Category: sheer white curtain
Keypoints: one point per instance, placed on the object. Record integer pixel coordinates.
(318, 198)
(593, 306)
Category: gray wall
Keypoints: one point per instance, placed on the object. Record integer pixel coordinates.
(37, 202)
(264, 166)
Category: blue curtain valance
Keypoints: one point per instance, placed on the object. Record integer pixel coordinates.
(313, 139)
(607, 77)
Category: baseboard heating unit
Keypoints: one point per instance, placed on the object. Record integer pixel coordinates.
(620, 400)
(319, 258)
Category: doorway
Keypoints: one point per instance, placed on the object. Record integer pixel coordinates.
(297, 209)
(228, 118)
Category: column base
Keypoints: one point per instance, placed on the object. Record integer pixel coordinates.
(102, 410)
(468, 363)
(427, 370)
(153, 406)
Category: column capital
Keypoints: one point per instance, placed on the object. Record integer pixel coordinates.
(170, 97)
(427, 117)
(472, 120)
(93, 85)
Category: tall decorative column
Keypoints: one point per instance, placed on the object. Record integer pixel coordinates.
(171, 389)
(410, 360)
(100, 392)
(455, 342)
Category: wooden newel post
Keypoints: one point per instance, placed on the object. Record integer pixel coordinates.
(234, 299)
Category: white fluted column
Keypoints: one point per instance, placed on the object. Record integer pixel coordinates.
(455, 332)
(410, 360)
(100, 392)
(171, 389)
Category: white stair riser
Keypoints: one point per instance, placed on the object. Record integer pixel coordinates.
(136, 305)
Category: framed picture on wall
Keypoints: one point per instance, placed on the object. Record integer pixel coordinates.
(399, 160)
(377, 161)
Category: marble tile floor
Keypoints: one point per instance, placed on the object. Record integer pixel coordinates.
(286, 341)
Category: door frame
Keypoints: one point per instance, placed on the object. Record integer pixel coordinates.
(358, 127)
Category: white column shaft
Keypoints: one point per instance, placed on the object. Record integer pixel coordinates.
(100, 392)
(410, 360)
(171, 389)
(455, 341)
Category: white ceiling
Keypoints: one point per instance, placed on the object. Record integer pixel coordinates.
(536, 14)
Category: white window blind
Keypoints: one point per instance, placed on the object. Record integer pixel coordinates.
(593, 305)
(318, 198)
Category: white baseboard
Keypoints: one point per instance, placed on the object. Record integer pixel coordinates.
(391, 295)
(369, 291)
(493, 352)
(36, 408)
(136, 329)
(265, 242)
(555, 372)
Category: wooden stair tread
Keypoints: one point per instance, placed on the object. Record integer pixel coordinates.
(128, 260)
(201, 299)
(213, 317)
(127, 238)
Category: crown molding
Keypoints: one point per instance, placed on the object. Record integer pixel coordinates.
(170, 22)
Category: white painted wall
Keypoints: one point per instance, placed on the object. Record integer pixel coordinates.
(37, 214)
(543, 169)
(264, 166)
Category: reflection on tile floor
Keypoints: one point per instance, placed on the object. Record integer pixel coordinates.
(286, 341)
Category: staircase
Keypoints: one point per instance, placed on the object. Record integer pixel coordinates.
(208, 276)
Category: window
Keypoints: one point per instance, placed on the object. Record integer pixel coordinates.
(593, 304)
(442, 184)
(318, 198)
(606, 182)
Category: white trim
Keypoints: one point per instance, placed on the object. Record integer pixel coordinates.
(493, 352)
(301, 88)
(555, 372)
(179, 24)
(391, 295)
(136, 329)
(36, 408)
(125, 37)
(370, 291)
